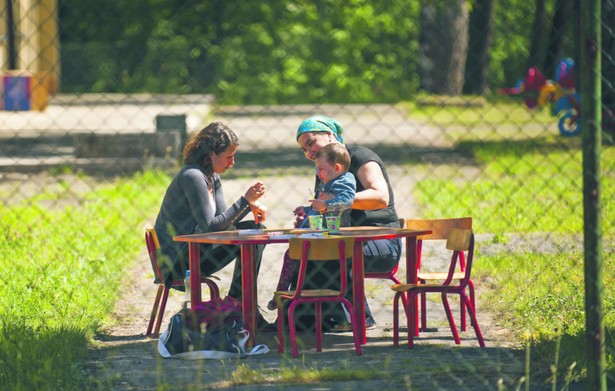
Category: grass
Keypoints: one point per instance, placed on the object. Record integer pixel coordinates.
(60, 272)
(469, 112)
(65, 251)
(533, 187)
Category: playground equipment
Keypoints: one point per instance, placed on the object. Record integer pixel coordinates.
(559, 93)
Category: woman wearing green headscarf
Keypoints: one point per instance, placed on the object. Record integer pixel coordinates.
(374, 203)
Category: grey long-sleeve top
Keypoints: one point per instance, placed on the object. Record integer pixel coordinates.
(187, 208)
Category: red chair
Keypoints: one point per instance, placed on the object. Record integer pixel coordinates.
(460, 241)
(313, 250)
(151, 240)
(440, 230)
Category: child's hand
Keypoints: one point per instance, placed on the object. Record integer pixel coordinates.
(326, 196)
(299, 213)
(319, 205)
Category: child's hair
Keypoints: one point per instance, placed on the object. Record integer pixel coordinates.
(335, 153)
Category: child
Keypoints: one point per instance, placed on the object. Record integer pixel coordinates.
(335, 197)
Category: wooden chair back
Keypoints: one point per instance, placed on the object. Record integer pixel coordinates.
(460, 241)
(440, 227)
(321, 249)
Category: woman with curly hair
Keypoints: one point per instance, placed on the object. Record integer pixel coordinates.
(194, 203)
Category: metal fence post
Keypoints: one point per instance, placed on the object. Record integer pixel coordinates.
(592, 139)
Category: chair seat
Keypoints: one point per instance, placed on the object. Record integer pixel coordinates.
(310, 293)
(439, 276)
(408, 287)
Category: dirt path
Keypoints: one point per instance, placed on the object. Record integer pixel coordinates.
(124, 359)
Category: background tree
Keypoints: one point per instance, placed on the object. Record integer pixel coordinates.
(557, 46)
(537, 37)
(443, 45)
(477, 60)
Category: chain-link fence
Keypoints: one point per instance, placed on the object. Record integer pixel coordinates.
(474, 108)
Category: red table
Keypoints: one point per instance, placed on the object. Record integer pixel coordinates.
(248, 243)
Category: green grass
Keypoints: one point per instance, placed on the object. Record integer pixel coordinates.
(65, 252)
(470, 111)
(533, 187)
(60, 272)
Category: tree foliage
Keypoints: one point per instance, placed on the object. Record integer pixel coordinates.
(278, 51)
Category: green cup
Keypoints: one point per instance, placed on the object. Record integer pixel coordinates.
(333, 224)
(316, 222)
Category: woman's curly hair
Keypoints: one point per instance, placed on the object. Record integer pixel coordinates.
(214, 138)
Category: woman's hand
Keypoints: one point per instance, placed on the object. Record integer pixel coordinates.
(259, 211)
(255, 192)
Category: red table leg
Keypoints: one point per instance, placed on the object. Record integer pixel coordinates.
(195, 273)
(358, 290)
(412, 276)
(249, 298)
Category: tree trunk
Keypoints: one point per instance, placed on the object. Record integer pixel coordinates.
(560, 24)
(477, 61)
(443, 45)
(538, 35)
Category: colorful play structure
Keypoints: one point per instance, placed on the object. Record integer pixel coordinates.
(560, 94)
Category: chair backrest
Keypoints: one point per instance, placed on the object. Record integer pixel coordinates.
(460, 241)
(321, 249)
(152, 243)
(440, 231)
(440, 227)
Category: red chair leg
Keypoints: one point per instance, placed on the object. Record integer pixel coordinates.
(472, 310)
(451, 320)
(163, 305)
(412, 320)
(281, 329)
(152, 316)
(462, 314)
(291, 326)
(318, 325)
(355, 334)
(423, 311)
(472, 299)
(396, 319)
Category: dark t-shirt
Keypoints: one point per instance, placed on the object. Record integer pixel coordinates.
(379, 217)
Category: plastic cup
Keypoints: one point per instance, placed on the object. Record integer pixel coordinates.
(316, 222)
(333, 224)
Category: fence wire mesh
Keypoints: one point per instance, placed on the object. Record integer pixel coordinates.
(472, 106)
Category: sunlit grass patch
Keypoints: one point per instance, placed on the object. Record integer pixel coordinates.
(60, 276)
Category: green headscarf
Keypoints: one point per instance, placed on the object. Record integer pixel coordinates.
(321, 123)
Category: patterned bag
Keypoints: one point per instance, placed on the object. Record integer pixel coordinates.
(212, 329)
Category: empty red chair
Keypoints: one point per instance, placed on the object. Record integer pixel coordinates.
(314, 250)
(460, 241)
